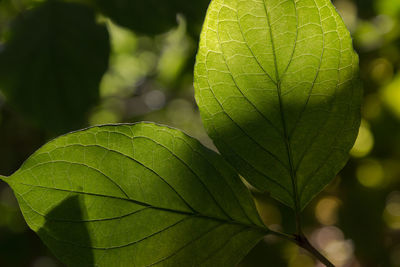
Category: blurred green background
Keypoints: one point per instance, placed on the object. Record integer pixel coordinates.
(71, 64)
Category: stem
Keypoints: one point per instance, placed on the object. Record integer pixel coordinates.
(298, 223)
(291, 238)
(303, 242)
(2, 177)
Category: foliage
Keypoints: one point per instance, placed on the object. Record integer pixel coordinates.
(116, 192)
(139, 195)
(277, 89)
(149, 78)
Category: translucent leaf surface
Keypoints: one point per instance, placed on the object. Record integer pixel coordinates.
(276, 83)
(136, 195)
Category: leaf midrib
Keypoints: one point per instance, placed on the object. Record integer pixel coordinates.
(147, 205)
(296, 199)
(243, 228)
(153, 171)
(248, 135)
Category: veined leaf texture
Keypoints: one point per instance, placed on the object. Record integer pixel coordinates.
(136, 195)
(277, 86)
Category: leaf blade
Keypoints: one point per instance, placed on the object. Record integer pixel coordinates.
(146, 195)
(276, 83)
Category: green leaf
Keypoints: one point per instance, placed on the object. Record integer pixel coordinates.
(277, 86)
(136, 195)
(51, 66)
(154, 16)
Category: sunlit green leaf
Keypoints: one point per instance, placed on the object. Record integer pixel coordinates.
(276, 82)
(51, 66)
(136, 195)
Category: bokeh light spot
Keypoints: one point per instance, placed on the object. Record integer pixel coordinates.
(155, 99)
(364, 143)
(381, 70)
(391, 214)
(370, 173)
(326, 210)
(330, 240)
(391, 96)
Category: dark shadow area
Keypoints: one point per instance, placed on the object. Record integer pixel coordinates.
(66, 235)
(155, 17)
(52, 63)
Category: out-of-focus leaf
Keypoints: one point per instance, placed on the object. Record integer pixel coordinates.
(136, 195)
(52, 65)
(276, 83)
(389, 7)
(391, 96)
(154, 16)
